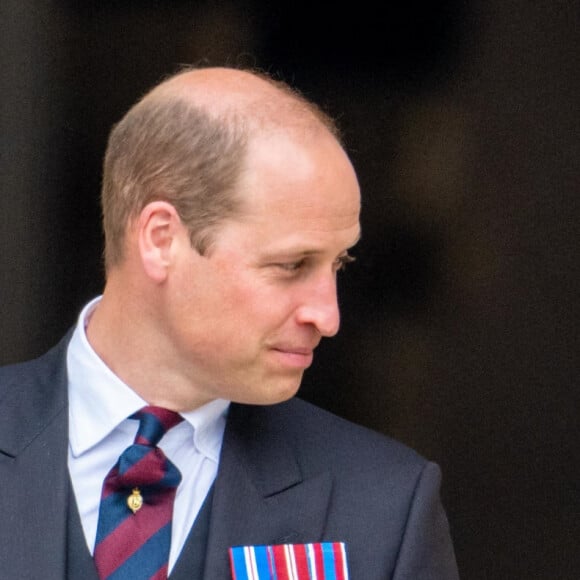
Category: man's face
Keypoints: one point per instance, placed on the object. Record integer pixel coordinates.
(243, 321)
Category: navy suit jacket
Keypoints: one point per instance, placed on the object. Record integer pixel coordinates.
(288, 473)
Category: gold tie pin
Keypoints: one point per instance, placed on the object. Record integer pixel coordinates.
(135, 500)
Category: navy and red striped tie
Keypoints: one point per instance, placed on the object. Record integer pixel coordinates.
(134, 529)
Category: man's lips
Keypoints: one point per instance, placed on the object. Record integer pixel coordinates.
(294, 349)
(295, 356)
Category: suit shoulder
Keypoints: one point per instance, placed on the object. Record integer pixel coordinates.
(47, 368)
(354, 433)
(327, 437)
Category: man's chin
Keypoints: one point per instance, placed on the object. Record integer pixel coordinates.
(279, 390)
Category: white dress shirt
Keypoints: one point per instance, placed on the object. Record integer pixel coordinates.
(99, 431)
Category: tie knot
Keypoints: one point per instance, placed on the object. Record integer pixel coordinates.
(154, 422)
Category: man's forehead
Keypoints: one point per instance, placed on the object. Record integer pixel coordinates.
(290, 237)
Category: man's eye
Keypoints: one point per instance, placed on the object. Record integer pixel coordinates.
(342, 261)
(291, 266)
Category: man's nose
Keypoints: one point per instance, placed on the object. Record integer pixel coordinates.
(320, 306)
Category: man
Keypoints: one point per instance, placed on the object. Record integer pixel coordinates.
(229, 205)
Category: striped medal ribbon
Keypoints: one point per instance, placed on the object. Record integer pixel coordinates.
(315, 561)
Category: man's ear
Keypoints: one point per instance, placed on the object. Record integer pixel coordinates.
(157, 226)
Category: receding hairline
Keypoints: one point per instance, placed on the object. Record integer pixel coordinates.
(253, 96)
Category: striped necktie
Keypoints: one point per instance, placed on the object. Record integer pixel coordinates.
(134, 529)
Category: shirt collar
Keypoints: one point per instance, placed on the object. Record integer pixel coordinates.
(99, 400)
(208, 422)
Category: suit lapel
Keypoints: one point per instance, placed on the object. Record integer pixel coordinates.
(261, 496)
(33, 468)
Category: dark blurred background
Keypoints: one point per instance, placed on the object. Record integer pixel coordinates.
(459, 332)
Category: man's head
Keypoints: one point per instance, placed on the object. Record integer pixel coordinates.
(185, 142)
(229, 206)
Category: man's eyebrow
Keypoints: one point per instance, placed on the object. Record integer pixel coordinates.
(305, 252)
(293, 252)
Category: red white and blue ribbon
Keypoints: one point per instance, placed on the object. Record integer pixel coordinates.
(316, 561)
